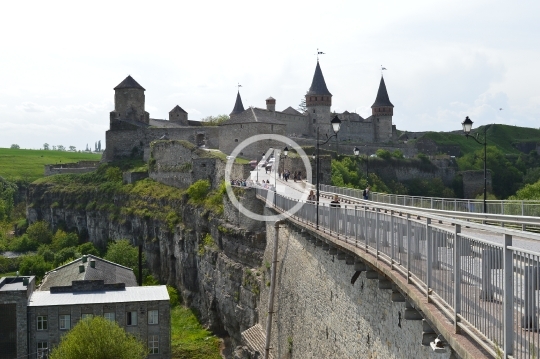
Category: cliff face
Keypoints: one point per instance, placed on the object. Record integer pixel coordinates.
(213, 263)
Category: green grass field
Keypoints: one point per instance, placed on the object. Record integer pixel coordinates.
(28, 164)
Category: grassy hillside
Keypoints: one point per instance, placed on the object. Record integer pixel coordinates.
(28, 164)
(501, 136)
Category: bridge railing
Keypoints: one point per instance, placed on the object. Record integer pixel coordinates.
(486, 286)
(503, 207)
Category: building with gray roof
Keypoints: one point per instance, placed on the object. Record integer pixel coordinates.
(33, 321)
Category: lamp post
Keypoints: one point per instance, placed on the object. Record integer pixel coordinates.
(357, 153)
(336, 123)
(467, 126)
(285, 152)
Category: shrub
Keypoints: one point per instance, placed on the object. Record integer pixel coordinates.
(39, 232)
(34, 265)
(23, 244)
(65, 255)
(62, 239)
(173, 295)
(199, 190)
(88, 248)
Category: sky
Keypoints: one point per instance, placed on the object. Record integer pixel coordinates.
(60, 60)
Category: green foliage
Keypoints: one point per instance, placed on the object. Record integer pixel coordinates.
(88, 248)
(214, 200)
(172, 219)
(64, 255)
(7, 192)
(46, 252)
(189, 340)
(39, 232)
(529, 192)
(214, 120)
(150, 280)
(384, 154)
(123, 253)
(199, 190)
(113, 174)
(429, 188)
(62, 239)
(207, 242)
(505, 177)
(397, 154)
(173, 296)
(34, 265)
(9, 264)
(99, 338)
(23, 244)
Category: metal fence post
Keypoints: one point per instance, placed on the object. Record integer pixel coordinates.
(356, 226)
(429, 257)
(508, 300)
(377, 233)
(392, 242)
(409, 240)
(457, 276)
(365, 229)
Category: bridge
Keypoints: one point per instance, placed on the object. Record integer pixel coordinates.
(468, 278)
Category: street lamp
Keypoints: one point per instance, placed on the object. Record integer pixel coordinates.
(275, 166)
(357, 153)
(336, 124)
(467, 126)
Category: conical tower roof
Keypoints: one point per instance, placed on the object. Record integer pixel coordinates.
(129, 83)
(238, 105)
(382, 96)
(318, 85)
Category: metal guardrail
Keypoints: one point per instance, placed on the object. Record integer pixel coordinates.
(488, 290)
(502, 207)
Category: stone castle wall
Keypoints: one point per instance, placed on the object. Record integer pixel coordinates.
(320, 314)
(473, 183)
(78, 167)
(232, 135)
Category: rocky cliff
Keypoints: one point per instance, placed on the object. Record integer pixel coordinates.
(214, 263)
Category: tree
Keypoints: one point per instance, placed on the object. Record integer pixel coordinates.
(60, 148)
(34, 265)
(39, 232)
(99, 338)
(302, 107)
(72, 149)
(123, 253)
(15, 147)
(46, 146)
(99, 146)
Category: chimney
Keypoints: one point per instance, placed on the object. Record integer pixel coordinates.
(84, 259)
(81, 268)
(271, 104)
(25, 281)
(92, 263)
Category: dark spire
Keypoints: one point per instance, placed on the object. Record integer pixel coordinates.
(382, 96)
(129, 83)
(318, 85)
(238, 106)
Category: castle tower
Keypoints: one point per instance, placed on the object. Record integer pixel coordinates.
(238, 106)
(129, 101)
(271, 104)
(382, 111)
(319, 101)
(179, 116)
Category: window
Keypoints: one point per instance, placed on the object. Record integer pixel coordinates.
(131, 318)
(153, 344)
(65, 321)
(153, 316)
(86, 315)
(42, 322)
(109, 316)
(42, 349)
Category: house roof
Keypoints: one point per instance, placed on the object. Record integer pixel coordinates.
(382, 96)
(129, 294)
(238, 105)
(178, 109)
(107, 271)
(129, 83)
(291, 111)
(254, 115)
(318, 85)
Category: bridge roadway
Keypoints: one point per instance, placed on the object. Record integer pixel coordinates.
(498, 311)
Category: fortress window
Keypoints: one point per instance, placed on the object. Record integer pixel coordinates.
(236, 140)
(313, 110)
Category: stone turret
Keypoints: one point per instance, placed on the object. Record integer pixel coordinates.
(318, 102)
(179, 116)
(382, 111)
(129, 102)
(238, 106)
(382, 105)
(271, 104)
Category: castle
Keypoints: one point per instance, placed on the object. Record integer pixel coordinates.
(132, 130)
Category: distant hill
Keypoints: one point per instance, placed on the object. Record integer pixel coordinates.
(28, 164)
(509, 139)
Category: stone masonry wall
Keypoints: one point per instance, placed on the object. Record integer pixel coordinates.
(320, 314)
